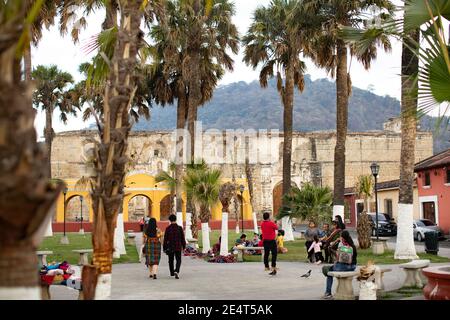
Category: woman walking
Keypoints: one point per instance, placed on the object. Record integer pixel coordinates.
(152, 247)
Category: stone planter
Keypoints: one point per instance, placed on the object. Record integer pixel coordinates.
(377, 247)
(438, 287)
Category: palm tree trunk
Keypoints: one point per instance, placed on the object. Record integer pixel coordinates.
(181, 124)
(288, 103)
(48, 135)
(27, 63)
(111, 156)
(26, 193)
(405, 248)
(204, 217)
(342, 93)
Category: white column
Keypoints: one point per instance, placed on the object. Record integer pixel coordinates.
(180, 219)
(48, 230)
(255, 223)
(188, 233)
(286, 225)
(103, 289)
(338, 211)
(405, 248)
(224, 235)
(205, 238)
(119, 237)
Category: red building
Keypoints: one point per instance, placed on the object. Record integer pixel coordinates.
(433, 181)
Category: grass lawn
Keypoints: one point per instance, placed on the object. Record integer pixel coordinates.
(297, 251)
(76, 241)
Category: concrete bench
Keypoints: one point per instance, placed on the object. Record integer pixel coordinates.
(240, 255)
(42, 256)
(379, 280)
(383, 240)
(45, 288)
(344, 289)
(413, 270)
(84, 255)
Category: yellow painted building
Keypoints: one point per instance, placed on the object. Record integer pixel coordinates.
(144, 185)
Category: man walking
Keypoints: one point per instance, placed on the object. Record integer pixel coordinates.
(174, 243)
(269, 233)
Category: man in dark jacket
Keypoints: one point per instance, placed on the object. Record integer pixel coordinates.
(174, 244)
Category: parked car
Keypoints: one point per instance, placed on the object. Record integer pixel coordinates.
(386, 227)
(421, 226)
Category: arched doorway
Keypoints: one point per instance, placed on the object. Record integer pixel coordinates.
(77, 208)
(166, 207)
(138, 207)
(277, 195)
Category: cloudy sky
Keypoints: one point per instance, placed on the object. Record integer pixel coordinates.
(53, 49)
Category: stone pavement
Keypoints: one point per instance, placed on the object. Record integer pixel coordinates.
(211, 281)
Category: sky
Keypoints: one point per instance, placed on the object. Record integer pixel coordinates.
(383, 77)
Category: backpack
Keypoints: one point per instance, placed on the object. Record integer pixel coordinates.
(345, 254)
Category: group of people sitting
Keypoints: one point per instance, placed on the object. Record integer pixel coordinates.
(257, 241)
(326, 239)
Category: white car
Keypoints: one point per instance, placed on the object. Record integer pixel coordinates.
(422, 226)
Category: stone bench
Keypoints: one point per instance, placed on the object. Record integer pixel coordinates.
(413, 270)
(42, 256)
(383, 240)
(84, 255)
(241, 251)
(344, 290)
(45, 288)
(379, 280)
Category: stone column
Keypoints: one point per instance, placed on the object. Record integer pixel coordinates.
(224, 235)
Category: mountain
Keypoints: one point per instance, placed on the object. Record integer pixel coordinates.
(247, 105)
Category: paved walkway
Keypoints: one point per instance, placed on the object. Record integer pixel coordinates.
(212, 281)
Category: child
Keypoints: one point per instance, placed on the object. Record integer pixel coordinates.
(316, 245)
(280, 242)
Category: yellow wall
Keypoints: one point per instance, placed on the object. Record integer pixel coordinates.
(393, 195)
(145, 185)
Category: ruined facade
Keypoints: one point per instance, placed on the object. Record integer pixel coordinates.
(312, 159)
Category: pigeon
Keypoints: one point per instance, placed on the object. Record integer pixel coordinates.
(306, 275)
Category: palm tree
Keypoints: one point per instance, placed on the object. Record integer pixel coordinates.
(226, 193)
(51, 94)
(271, 42)
(330, 51)
(169, 179)
(203, 186)
(26, 191)
(364, 230)
(363, 188)
(110, 152)
(310, 202)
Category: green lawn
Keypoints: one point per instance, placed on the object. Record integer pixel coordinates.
(76, 241)
(297, 251)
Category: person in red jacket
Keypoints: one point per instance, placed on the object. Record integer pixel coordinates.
(269, 233)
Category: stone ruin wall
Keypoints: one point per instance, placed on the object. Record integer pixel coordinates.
(312, 159)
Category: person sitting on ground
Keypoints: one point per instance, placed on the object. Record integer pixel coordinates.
(316, 247)
(346, 260)
(280, 242)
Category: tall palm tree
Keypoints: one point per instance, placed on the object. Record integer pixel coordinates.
(203, 186)
(190, 57)
(330, 51)
(271, 42)
(25, 187)
(52, 93)
(110, 152)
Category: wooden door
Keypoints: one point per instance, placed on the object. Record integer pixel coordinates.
(429, 211)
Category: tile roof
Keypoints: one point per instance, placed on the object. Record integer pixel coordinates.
(380, 186)
(439, 160)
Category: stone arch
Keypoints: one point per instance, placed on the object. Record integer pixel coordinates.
(77, 208)
(277, 193)
(139, 206)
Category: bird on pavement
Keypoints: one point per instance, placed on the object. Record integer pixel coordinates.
(306, 275)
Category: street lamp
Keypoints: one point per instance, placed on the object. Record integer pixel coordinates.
(375, 168)
(64, 239)
(241, 189)
(81, 216)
